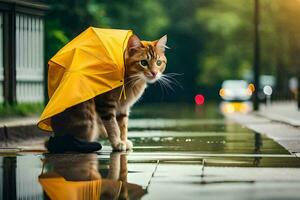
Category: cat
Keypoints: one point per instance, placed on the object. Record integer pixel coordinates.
(106, 115)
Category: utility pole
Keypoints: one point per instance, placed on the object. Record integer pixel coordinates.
(298, 90)
(256, 57)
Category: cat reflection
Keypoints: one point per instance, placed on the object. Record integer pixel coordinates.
(77, 177)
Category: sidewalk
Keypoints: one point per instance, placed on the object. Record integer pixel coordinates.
(286, 112)
(18, 121)
(279, 121)
(17, 132)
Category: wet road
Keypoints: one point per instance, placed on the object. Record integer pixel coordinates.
(179, 153)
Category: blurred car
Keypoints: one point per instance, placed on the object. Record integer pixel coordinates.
(235, 90)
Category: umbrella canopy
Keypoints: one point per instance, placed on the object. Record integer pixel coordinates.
(89, 65)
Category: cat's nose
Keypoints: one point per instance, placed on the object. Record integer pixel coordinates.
(154, 73)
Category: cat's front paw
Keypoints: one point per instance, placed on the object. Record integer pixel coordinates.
(129, 145)
(120, 146)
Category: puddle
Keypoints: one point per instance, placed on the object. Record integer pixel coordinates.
(134, 176)
(183, 157)
(197, 135)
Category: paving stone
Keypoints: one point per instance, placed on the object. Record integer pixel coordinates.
(141, 173)
(174, 181)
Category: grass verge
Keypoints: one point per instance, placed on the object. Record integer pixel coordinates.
(22, 109)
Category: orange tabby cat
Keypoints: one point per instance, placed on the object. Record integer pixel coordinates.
(107, 115)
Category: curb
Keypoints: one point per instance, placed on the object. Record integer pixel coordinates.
(20, 130)
(283, 133)
(279, 118)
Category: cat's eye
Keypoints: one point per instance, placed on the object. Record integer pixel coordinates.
(144, 63)
(158, 62)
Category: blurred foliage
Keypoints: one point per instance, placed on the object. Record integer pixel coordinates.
(227, 50)
(21, 109)
(210, 40)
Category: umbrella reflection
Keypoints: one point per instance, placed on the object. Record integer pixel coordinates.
(77, 177)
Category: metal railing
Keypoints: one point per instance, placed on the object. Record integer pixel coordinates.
(22, 51)
(29, 58)
(1, 58)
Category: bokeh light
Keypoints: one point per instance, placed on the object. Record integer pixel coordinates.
(199, 99)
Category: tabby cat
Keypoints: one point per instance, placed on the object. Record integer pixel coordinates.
(106, 115)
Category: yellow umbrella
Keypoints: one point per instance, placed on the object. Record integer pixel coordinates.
(89, 65)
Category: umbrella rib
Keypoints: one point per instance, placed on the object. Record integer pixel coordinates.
(106, 52)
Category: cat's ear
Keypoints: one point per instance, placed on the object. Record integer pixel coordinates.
(161, 44)
(134, 43)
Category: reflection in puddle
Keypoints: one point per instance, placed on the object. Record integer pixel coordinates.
(67, 177)
(235, 107)
(78, 177)
(225, 142)
(199, 135)
(110, 176)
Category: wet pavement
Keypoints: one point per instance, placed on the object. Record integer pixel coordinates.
(179, 153)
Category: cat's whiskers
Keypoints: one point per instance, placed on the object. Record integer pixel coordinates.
(167, 80)
(162, 86)
(170, 79)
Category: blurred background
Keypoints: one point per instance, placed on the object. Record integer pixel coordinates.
(212, 44)
(229, 56)
(211, 40)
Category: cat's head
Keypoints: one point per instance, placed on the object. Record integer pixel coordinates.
(145, 60)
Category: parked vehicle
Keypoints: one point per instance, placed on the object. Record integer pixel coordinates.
(235, 90)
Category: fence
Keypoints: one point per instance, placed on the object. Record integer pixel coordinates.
(1, 59)
(21, 51)
(29, 58)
